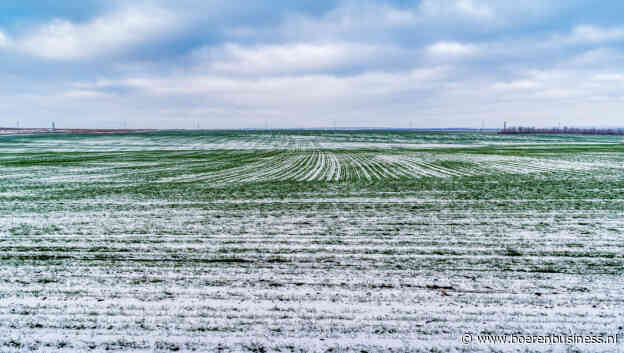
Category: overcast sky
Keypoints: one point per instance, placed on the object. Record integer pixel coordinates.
(245, 64)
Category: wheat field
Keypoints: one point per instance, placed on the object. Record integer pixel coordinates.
(308, 241)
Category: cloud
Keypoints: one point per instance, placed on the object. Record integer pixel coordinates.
(471, 8)
(291, 91)
(587, 35)
(459, 8)
(595, 34)
(618, 77)
(277, 59)
(379, 21)
(596, 58)
(565, 84)
(4, 40)
(451, 49)
(407, 22)
(438, 62)
(84, 94)
(515, 85)
(345, 23)
(64, 40)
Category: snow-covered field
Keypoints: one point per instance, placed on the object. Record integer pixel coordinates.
(362, 241)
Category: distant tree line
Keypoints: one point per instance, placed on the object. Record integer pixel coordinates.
(561, 130)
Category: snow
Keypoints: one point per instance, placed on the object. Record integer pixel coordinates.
(348, 268)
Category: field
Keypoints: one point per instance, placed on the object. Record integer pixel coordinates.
(309, 241)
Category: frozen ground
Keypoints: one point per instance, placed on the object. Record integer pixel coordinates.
(309, 241)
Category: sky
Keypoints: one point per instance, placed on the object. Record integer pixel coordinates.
(308, 64)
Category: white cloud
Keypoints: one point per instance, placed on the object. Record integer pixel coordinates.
(396, 17)
(344, 23)
(84, 94)
(64, 40)
(4, 40)
(559, 84)
(300, 90)
(381, 22)
(594, 34)
(480, 15)
(472, 8)
(587, 34)
(355, 60)
(289, 58)
(463, 8)
(609, 77)
(515, 85)
(451, 49)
